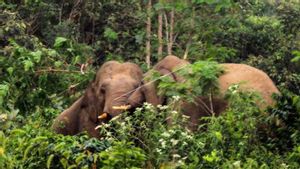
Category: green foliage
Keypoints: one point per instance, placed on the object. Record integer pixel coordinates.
(35, 147)
(44, 43)
(297, 56)
(123, 155)
(283, 123)
(110, 34)
(200, 79)
(218, 4)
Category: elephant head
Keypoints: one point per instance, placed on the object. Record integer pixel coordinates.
(149, 92)
(113, 85)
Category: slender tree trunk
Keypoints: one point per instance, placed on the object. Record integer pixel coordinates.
(190, 35)
(170, 43)
(166, 30)
(159, 35)
(148, 29)
(61, 11)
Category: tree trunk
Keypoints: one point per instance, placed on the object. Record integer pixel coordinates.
(166, 30)
(190, 35)
(159, 36)
(148, 29)
(170, 42)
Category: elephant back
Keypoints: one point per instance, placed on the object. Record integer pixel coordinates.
(249, 79)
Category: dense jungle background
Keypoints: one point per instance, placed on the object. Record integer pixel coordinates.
(51, 50)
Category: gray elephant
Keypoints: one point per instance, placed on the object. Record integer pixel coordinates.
(252, 78)
(112, 87)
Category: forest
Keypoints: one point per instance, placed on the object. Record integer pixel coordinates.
(53, 53)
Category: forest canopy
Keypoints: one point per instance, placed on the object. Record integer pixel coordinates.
(50, 51)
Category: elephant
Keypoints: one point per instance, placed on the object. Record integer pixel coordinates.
(113, 85)
(250, 78)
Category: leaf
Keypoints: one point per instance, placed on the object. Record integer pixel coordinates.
(50, 158)
(72, 166)
(4, 88)
(296, 102)
(297, 56)
(59, 42)
(77, 59)
(158, 6)
(36, 56)
(58, 64)
(110, 34)
(18, 132)
(10, 70)
(64, 162)
(52, 53)
(218, 135)
(27, 64)
(79, 158)
(139, 38)
(27, 151)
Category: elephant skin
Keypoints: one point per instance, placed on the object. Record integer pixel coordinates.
(112, 86)
(249, 78)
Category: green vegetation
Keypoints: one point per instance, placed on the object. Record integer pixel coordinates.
(50, 50)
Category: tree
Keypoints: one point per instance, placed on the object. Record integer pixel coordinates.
(148, 29)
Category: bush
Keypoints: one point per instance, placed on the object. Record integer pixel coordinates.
(36, 147)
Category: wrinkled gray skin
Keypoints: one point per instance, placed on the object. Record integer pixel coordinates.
(113, 86)
(251, 79)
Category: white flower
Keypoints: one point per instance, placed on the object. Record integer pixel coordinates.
(185, 116)
(138, 109)
(148, 105)
(174, 142)
(233, 88)
(180, 162)
(189, 137)
(162, 107)
(163, 144)
(175, 98)
(108, 134)
(172, 131)
(158, 150)
(237, 164)
(165, 134)
(3, 117)
(110, 139)
(283, 165)
(174, 112)
(115, 118)
(176, 156)
(106, 125)
(127, 118)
